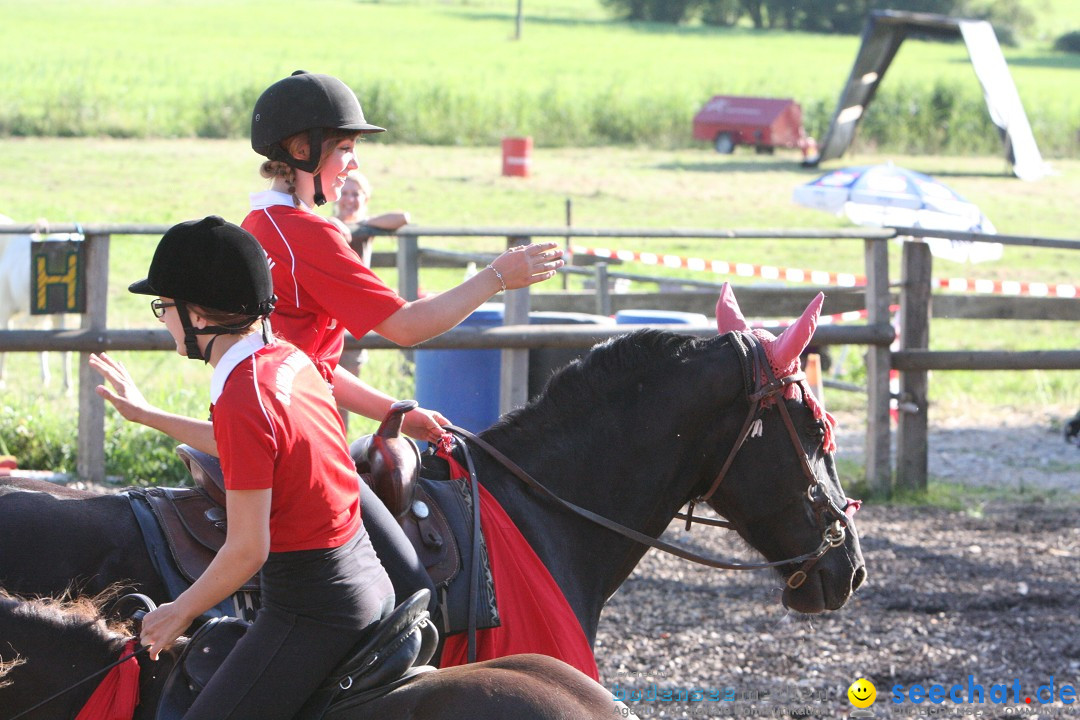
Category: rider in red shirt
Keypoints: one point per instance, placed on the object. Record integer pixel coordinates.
(291, 491)
(307, 125)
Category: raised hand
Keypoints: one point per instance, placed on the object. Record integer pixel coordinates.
(524, 265)
(124, 394)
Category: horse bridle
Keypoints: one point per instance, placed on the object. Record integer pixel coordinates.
(755, 366)
(762, 386)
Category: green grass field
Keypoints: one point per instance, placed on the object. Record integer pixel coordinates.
(450, 73)
(449, 81)
(165, 181)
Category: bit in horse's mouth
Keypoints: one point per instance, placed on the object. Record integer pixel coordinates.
(814, 597)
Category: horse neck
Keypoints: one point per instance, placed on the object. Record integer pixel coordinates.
(641, 487)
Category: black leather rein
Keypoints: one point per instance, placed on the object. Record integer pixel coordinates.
(753, 360)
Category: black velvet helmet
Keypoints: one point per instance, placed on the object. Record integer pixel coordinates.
(217, 265)
(212, 263)
(304, 101)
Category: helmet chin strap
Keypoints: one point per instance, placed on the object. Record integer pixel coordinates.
(191, 333)
(191, 344)
(315, 138)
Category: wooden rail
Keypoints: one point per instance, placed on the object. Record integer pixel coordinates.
(516, 337)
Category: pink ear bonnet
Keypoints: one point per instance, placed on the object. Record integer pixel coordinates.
(783, 351)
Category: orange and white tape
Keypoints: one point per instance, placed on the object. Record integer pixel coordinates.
(823, 277)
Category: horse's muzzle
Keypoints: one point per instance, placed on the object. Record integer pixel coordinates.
(832, 581)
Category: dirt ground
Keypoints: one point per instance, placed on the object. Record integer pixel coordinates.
(983, 596)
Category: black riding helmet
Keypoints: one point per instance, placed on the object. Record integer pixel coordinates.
(305, 102)
(214, 264)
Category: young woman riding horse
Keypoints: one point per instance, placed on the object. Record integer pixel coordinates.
(642, 425)
(291, 489)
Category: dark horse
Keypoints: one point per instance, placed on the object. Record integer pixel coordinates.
(50, 645)
(641, 426)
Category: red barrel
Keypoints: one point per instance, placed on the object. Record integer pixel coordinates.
(516, 156)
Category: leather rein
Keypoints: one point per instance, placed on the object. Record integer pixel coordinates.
(755, 367)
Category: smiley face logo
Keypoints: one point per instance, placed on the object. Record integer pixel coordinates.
(862, 693)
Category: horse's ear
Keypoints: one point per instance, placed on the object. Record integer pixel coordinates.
(728, 315)
(796, 337)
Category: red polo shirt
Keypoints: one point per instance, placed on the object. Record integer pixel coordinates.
(322, 287)
(276, 427)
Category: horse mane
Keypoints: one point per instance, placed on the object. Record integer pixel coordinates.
(75, 619)
(611, 364)
(5, 669)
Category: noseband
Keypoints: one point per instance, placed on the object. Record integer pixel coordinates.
(763, 385)
(755, 366)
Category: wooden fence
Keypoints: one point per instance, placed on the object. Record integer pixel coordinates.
(516, 337)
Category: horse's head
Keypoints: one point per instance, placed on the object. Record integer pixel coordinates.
(779, 485)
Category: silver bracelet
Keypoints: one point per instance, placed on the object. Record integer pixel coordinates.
(498, 275)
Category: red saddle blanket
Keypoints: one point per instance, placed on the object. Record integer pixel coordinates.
(535, 616)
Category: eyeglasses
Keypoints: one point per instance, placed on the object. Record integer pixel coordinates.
(158, 306)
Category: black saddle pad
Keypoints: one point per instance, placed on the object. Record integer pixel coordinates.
(452, 501)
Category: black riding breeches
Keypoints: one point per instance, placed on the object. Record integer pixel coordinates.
(398, 556)
(316, 606)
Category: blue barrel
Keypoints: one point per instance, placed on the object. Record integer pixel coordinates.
(463, 384)
(659, 317)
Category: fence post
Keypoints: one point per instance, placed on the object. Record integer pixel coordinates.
(514, 370)
(878, 432)
(911, 437)
(90, 462)
(408, 266)
(603, 294)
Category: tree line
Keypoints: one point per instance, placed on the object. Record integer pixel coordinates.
(1009, 17)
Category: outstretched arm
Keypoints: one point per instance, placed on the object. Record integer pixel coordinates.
(433, 315)
(130, 403)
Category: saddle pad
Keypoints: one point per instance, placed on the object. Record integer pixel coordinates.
(454, 502)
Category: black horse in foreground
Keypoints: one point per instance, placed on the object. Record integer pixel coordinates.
(644, 424)
(49, 645)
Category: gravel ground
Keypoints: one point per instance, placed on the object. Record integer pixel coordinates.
(989, 592)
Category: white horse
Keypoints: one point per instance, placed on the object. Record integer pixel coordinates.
(15, 297)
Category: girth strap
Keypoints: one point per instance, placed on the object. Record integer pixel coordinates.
(474, 566)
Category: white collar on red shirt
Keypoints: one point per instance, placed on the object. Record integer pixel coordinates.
(270, 198)
(242, 350)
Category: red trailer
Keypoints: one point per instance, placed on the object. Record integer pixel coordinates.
(764, 123)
